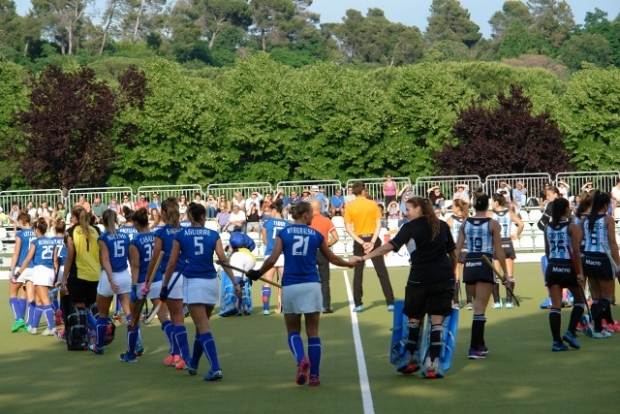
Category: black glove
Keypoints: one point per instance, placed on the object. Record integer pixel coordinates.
(163, 293)
(253, 274)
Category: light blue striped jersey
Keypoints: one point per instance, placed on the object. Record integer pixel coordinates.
(595, 239)
(455, 228)
(559, 240)
(478, 235)
(505, 221)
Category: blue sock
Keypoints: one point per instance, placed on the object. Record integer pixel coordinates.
(49, 315)
(31, 308)
(167, 328)
(92, 322)
(55, 305)
(132, 339)
(117, 306)
(208, 345)
(102, 327)
(314, 353)
(180, 334)
(296, 345)
(266, 297)
(14, 304)
(21, 309)
(197, 354)
(36, 317)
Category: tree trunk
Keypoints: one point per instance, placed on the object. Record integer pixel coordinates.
(70, 39)
(262, 39)
(26, 46)
(107, 27)
(135, 29)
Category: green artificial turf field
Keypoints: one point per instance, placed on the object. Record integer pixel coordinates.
(520, 374)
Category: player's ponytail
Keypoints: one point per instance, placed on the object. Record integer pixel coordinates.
(141, 218)
(109, 221)
(428, 211)
(59, 226)
(171, 207)
(499, 199)
(24, 218)
(481, 200)
(463, 207)
(558, 209)
(41, 225)
(584, 205)
(196, 212)
(299, 209)
(599, 201)
(277, 205)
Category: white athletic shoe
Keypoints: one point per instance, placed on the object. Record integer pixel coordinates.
(49, 332)
(33, 331)
(266, 312)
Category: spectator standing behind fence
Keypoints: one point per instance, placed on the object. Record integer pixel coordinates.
(462, 193)
(504, 189)
(519, 197)
(390, 188)
(362, 219)
(337, 203)
(98, 209)
(564, 189)
(437, 198)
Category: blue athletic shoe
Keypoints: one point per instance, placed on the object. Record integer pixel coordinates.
(192, 368)
(483, 350)
(139, 350)
(126, 357)
(559, 347)
(95, 350)
(408, 363)
(214, 375)
(358, 309)
(476, 354)
(571, 340)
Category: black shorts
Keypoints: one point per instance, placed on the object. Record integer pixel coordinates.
(597, 266)
(561, 272)
(428, 299)
(476, 270)
(81, 290)
(509, 249)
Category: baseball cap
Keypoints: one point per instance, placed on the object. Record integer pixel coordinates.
(314, 188)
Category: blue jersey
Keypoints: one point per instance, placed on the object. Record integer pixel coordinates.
(118, 249)
(61, 250)
(559, 240)
(478, 235)
(273, 227)
(145, 243)
(44, 252)
(198, 246)
(166, 234)
(594, 239)
(26, 236)
(130, 231)
(299, 244)
(505, 221)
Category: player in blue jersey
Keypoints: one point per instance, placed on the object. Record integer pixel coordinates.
(430, 286)
(196, 245)
(600, 244)
(128, 226)
(41, 256)
(271, 228)
(301, 291)
(503, 213)
(483, 235)
(460, 212)
(164, 238)
(115, 278)
(19, 305)
(563, 272)
(60, 251)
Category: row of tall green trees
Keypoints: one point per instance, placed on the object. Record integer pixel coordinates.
(202, 33)
(264, 120)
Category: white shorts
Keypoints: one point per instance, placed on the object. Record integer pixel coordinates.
(280, 261)
(200, 291)
(121, 279)
(154, 291)
(302, 298)
(43, 276)
(27, 275)
(177, 290)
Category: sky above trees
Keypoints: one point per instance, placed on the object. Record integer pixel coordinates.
(416, 12)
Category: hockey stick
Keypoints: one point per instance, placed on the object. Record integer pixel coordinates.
(589, 321)
(136, 318)
(161, 303)
(488, 262)
(228, 265)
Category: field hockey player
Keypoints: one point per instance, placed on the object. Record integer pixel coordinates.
(22, 245)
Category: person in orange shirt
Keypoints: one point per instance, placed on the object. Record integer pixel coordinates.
(324, 226)
(362, 220)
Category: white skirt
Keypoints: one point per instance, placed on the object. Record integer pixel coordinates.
(302, 298)
(200, 291)
(280, 261)
(154, 291)
(121, 279)
(27, 275)
(43, 276)
(177, 290)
